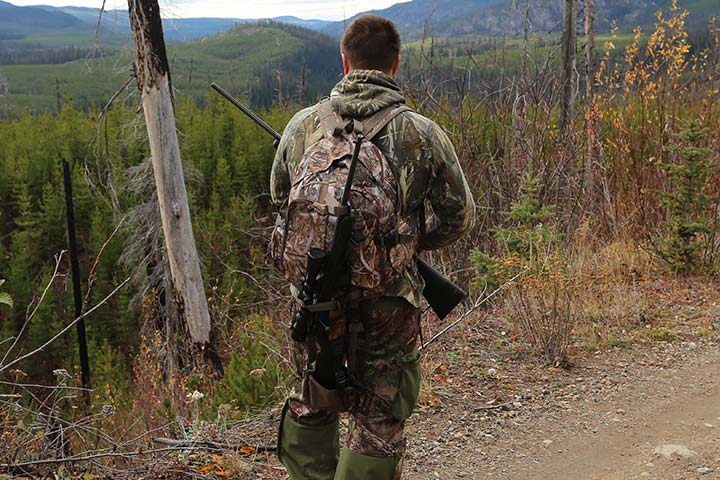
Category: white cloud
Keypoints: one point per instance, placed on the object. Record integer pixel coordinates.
(321, 9)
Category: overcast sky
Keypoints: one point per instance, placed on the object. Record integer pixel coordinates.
(321, 9)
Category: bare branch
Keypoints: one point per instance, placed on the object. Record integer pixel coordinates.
(477, 305)
(64, 330)
(212, 446)
(91, 275)
(58, 259)
(107, 454)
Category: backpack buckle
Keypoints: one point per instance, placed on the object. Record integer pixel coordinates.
(321, 307)
(347, 129)
(340, 210)
(390, 240)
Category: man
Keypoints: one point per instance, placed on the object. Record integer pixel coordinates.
(425, 166)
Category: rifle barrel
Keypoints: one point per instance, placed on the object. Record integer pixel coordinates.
(246, 111)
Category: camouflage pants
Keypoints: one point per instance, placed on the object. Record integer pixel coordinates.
(388, 372)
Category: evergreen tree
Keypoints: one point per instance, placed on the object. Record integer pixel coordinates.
(527, 232)
(686, 202)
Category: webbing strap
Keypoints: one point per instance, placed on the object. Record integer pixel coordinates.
(394, 238)
(330, 121)
(374, 124)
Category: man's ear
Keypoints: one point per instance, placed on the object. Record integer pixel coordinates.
(396, 66)
(346, 64)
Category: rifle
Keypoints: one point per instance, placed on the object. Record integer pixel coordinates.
(326, 274)
(441, 294)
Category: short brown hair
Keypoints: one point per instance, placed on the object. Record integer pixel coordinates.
(371, 42)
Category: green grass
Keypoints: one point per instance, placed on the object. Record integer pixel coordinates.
(661, 334)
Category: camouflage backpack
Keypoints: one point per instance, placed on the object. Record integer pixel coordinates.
(382, 244)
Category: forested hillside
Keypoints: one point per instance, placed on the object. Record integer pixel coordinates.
(31, 28)
(452, 18)
(264, 63)
(228, 161)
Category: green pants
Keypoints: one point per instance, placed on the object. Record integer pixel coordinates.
(388, 368)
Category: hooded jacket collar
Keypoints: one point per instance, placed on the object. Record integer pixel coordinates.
(364, 92)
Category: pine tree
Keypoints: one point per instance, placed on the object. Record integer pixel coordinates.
(686, 201)
(527, 232)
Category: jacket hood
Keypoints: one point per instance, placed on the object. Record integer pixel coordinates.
(364, 92)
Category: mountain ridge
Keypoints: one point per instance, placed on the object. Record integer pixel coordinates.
(261, 62)
(38, 26)
(14, 18)
(449, 18)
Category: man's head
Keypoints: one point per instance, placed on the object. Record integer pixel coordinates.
(371, 42)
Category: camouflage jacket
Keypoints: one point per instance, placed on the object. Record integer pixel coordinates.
(420, 155)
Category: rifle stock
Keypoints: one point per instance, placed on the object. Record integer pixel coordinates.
(441, 294)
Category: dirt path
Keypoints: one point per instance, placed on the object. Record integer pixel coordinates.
(641, 403)
(652, 414)
(672, 431)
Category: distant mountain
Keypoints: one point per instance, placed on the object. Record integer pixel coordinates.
(262, 62)
(35, 17)
(60, 27)
(464, 17)
(52, 27)
(15, 21)
(44, 26)
(116, 21)
(310, 24)
(86, 14)
(411, 16)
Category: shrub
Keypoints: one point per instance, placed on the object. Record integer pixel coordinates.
(110, 376)
(526, 242)
(5, 298)
(546, 311)
(686, 203)
(661, 334)
(254, 373)
(528, 234)
(540, 304)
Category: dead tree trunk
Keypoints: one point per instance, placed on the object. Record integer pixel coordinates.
(590, 48)
(526, 43)
(153, 77)
(592, 115)
(569, 45)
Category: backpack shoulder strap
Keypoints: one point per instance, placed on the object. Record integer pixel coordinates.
(375, 123)
(331, 123)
